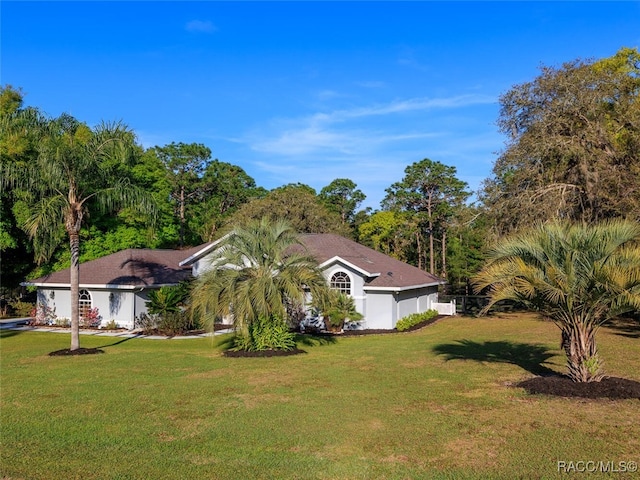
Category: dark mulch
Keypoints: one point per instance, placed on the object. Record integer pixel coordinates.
(561, 386)
(381, 331)
(77, 351)
(263, 353)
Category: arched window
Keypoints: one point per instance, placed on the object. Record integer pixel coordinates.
(340, 281)
(84, 302)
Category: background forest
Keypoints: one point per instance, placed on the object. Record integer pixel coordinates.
(571, 153)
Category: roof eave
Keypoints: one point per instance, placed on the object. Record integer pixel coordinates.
(338, 258)
(97, 286)
(402, 289)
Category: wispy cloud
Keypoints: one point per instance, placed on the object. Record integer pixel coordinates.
(401, 106)
(346, 131)
(200, 26)
(371, 144)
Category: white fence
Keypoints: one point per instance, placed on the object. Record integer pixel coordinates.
(445, 308)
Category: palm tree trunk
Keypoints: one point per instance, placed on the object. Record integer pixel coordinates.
(74, 242)
(579, 344)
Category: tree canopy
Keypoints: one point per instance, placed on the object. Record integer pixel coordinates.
(296, 204)
(573, 149)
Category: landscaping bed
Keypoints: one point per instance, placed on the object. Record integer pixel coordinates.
(562, 386)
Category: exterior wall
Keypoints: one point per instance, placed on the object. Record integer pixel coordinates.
(415, 301)
(140, 303)
(385, 308)
(357, 284)
(380, 311)
(117, 305)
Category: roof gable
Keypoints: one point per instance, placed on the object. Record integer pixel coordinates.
(382, 271)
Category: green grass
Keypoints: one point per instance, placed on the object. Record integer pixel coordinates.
(429, 404)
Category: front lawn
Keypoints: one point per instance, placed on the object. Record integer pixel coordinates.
(429, 404)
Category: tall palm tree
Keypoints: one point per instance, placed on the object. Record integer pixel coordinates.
(256, 270)
(73, 172)
(578, 276)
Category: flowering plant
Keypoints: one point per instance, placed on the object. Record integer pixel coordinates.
(43, 315)
(91, 318)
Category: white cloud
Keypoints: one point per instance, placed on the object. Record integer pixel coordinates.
(373, 144)
(200, 26)
(320, 133)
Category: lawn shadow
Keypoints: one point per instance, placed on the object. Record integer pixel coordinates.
(530, 357)
(625, 327)
(313, 340)
(120, 340)
(8, 332)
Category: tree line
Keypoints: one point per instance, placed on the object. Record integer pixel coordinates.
(573, 138)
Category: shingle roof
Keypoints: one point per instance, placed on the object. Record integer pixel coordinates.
(385, 271)
(146, 267)
(128, 268)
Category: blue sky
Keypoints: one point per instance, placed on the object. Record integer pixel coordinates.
(304, 91)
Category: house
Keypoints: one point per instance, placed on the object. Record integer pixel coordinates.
(117, 285)
(384, 288)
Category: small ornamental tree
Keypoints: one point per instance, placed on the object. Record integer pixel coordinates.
(578, 276)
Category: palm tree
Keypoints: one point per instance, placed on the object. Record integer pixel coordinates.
(74, 171)
(257, 269)
(578, 276)
(336, 308)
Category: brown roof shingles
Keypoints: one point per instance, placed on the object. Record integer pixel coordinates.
(131, 267)
(146, 267)
(392, 272)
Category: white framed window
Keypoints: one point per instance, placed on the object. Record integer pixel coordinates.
(85, 302)
(341, 281)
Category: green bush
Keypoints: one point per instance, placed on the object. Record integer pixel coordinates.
(266, 333)
(63, 322)
(111, 325)
(22, 309)
(176, 323)
(168, 299)
(405, 323)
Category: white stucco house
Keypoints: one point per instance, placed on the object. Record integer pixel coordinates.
(117, 285)
(384, 289)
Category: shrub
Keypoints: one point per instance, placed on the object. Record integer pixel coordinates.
(176, 323)
(147, 323)
(111, 325)
(168, 299)
(63, 322)
(266, 333)
(171, 323)
(405, 323)
(91, 318)
(43, 315)
(22, 309)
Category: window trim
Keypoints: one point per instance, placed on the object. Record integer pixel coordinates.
(85, 302)
(348, 281)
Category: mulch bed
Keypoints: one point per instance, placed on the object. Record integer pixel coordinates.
(77, 351)
(263, 353)
(413, 328)
(562, 386)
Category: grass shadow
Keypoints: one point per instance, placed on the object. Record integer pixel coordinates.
(9, 332)
(530, 357)
(120, 340)
(625, 327)
(313, 340)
